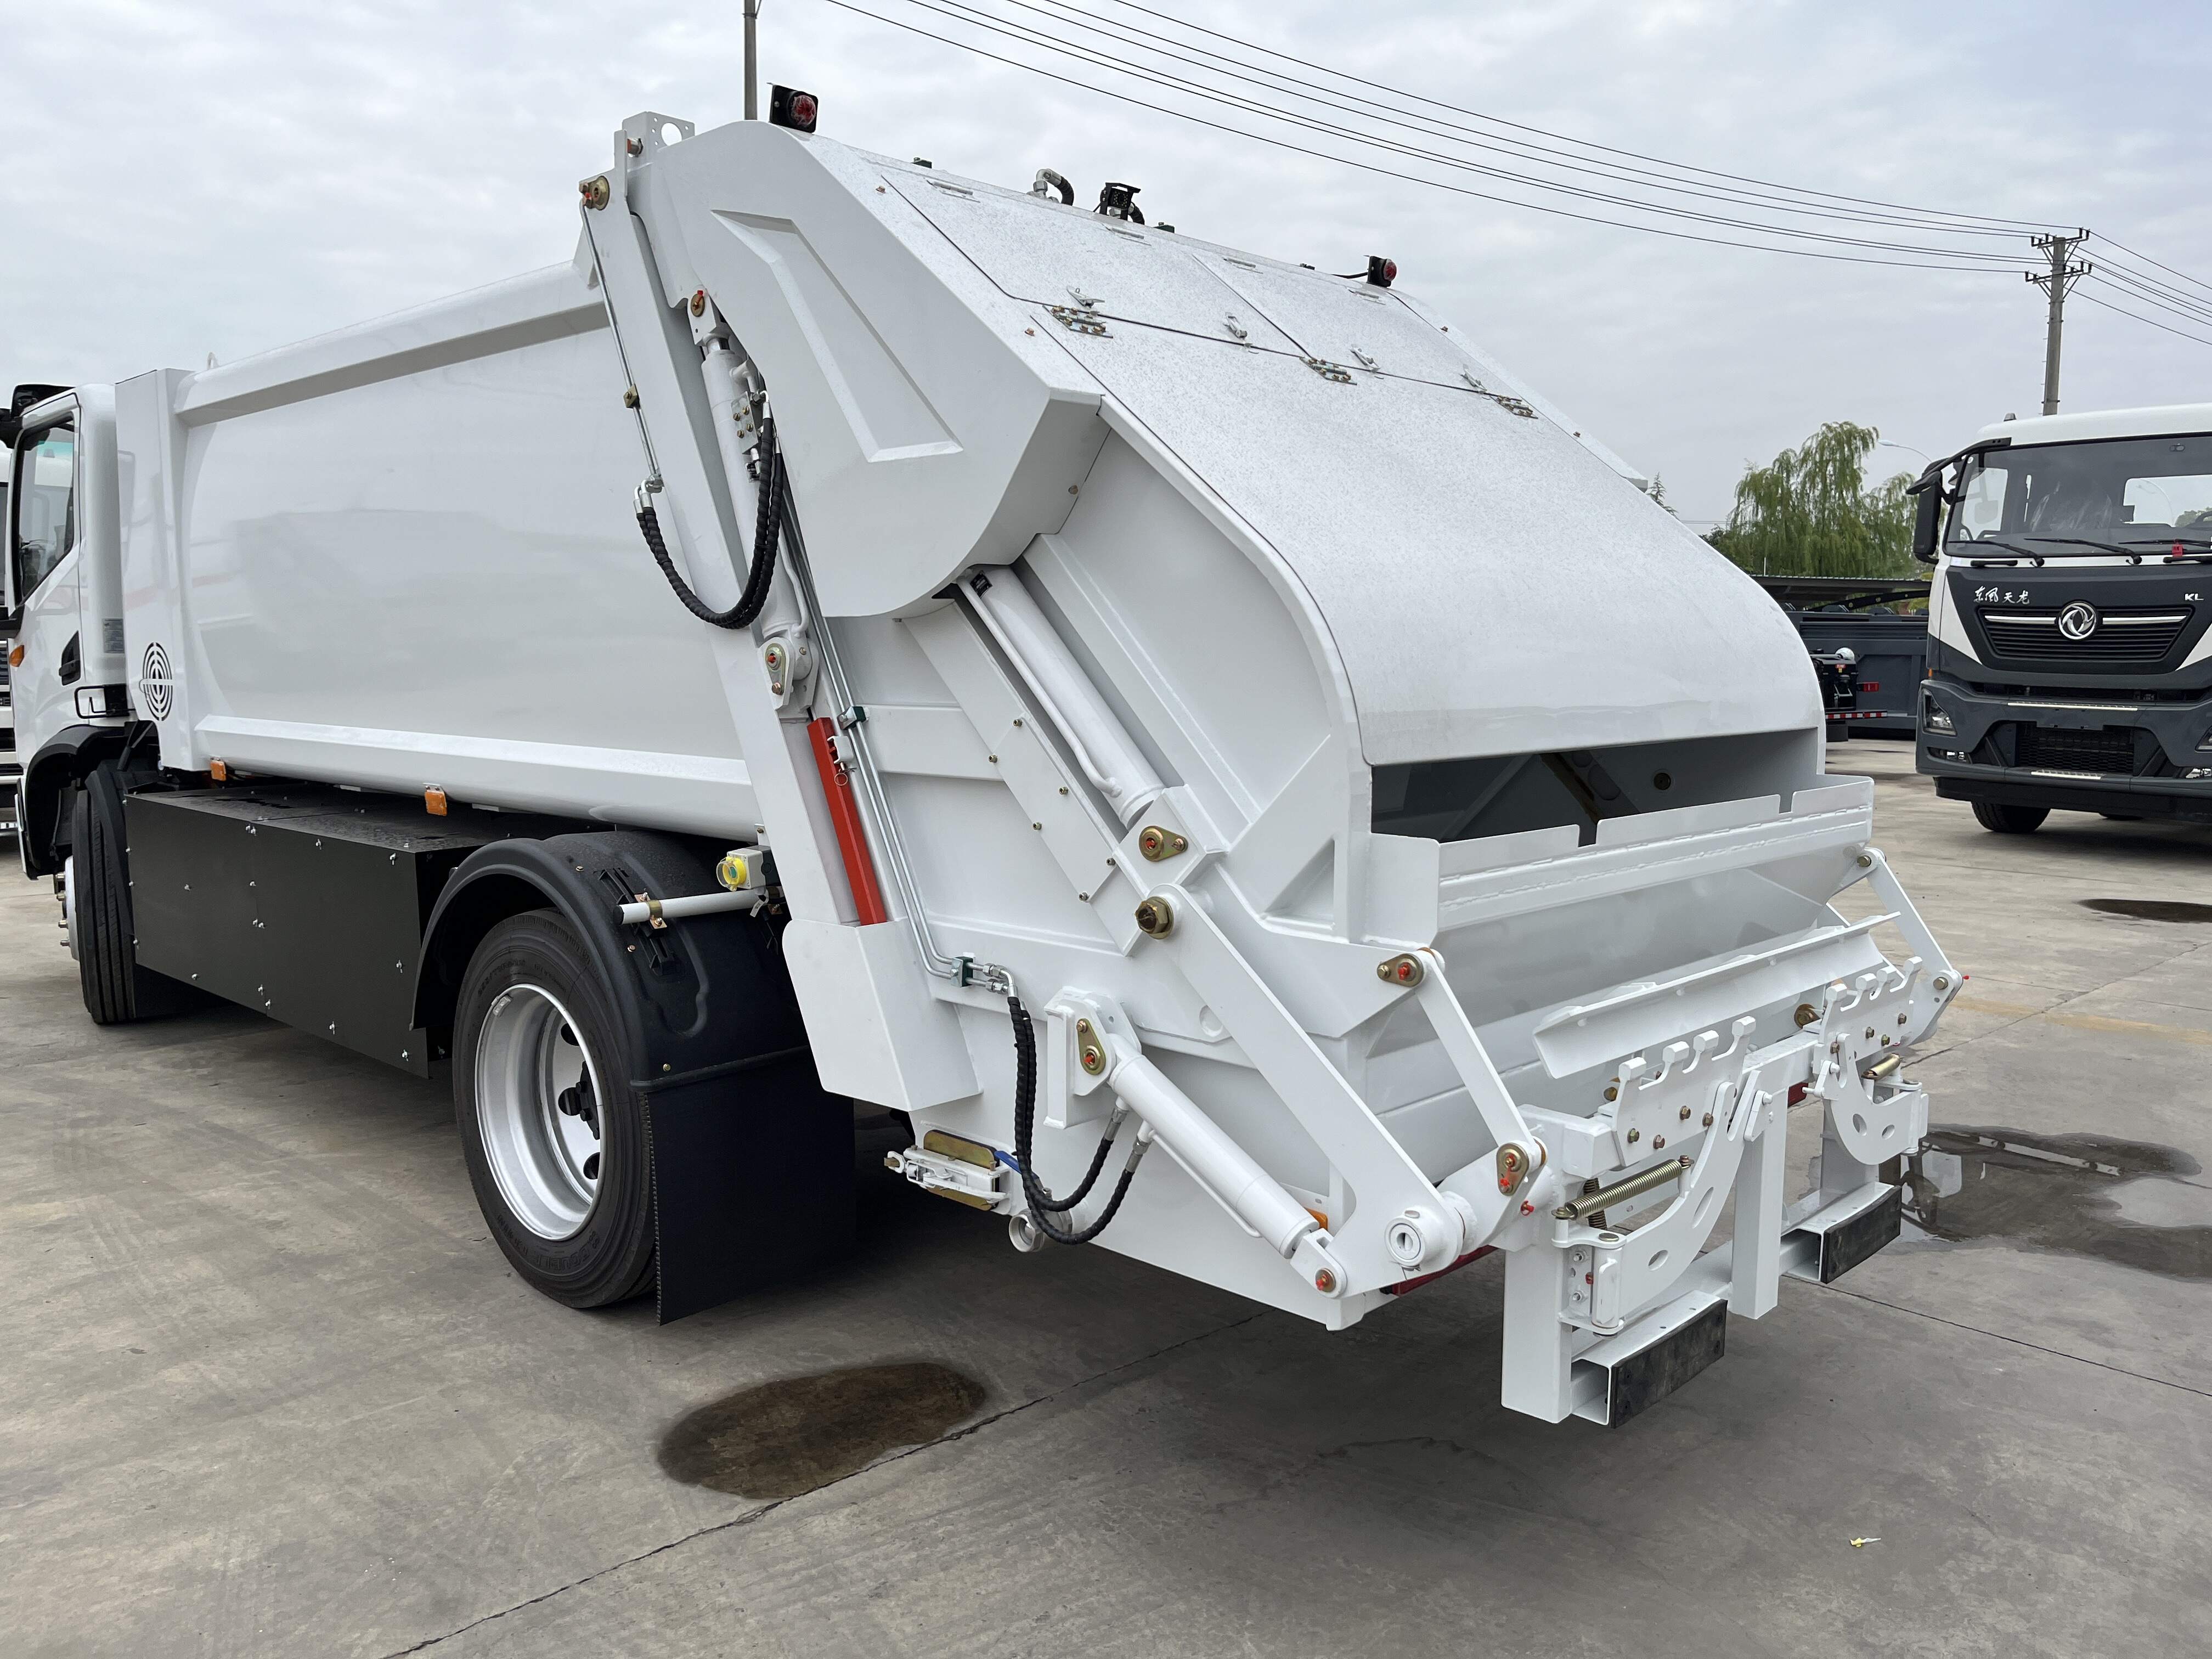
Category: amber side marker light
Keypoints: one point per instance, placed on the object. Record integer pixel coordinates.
(218, 770)
(433, 802)
(15, 657)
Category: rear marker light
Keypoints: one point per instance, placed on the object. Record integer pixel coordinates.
(788, 106)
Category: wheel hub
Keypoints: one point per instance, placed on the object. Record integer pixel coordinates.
(538, 1099)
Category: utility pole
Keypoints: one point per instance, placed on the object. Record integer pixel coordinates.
(2062, 275)
(753, 60)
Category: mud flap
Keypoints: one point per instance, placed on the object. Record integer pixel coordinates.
(753, 1162)
(751, 1180)
(1829, 1243)
(1624, 1374)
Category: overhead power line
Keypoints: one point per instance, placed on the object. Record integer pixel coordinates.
(1580, 143)
(974, 16)
(2201, 339)
(2153, 290)
(1759, 213)
(1460, 132)
(1958, 260)
(2148, 260)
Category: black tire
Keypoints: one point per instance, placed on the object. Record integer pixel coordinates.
(2009, 820)
(117, 990)
(610, 1258)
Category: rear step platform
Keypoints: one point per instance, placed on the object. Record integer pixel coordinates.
(1830, 1241)
(1645, 1363)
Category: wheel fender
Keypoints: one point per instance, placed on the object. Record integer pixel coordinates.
(65, 759)
(753, 1162)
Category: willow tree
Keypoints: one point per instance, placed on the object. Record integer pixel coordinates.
(1809, 512)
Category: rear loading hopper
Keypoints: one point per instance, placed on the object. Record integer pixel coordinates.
(1196, 735)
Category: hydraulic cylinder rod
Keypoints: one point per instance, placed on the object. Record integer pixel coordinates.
(1211, 1157)
(1117, 769)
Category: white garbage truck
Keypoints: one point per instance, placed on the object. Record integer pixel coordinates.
(1186, 732)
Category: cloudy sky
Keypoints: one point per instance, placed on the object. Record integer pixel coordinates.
(193, 178)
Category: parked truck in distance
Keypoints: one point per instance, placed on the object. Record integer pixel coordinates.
(1187, 732)
(2070, 649)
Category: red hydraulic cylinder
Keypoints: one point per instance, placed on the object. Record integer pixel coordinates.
(845, 813)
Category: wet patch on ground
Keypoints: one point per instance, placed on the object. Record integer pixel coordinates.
(783, 1439)
(2150, 909)
(2124, 1201)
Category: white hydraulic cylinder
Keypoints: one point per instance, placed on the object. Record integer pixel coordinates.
(1104, 749)
(1211, 1157)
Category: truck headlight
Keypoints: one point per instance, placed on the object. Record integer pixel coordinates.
(1937, 720)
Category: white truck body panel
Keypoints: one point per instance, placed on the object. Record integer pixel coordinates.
(289, 517)
(1499, 798)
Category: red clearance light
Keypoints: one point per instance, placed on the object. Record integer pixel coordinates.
(1382, 272)
(788, 106)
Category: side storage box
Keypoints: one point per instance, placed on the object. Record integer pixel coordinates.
(294, 902)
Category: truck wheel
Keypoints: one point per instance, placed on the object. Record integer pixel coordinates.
(554, 1137)
(2009, 820)
(96, 915)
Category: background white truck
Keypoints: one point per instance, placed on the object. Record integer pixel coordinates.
(2069, 621)
(1103, 695)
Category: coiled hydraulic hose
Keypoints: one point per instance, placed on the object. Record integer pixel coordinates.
(1043, 1206)
(768, 527)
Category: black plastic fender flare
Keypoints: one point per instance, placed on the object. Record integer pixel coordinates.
(752, 1163)
(68, 757)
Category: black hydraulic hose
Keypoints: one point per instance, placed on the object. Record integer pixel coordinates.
(1042, 1204)
(768, 527)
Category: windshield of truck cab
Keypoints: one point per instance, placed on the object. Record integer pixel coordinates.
(45, 502)
(2061, 498)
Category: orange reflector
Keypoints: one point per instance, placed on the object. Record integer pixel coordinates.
(1316, 1215)
(15, 656)
(433, 802)
(217, 770)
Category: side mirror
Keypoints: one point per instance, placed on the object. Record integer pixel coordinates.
(11, 418)
(1927, 517)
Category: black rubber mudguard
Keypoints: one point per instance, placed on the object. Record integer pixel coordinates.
(753, 1162)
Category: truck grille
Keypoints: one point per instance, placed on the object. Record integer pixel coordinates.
(2140, 634)
(2112, 748)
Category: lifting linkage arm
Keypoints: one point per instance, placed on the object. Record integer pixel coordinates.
(775, 523)
(1404, 1224)
(1223, 1170)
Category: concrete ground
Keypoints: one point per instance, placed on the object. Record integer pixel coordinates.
(265, 1388)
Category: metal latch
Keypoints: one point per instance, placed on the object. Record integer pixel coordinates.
(951, 1166)
(1079, 320)
(1329, 371)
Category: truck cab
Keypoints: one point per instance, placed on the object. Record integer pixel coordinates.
(2070, 618)
(62, 590)
(11, 769)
